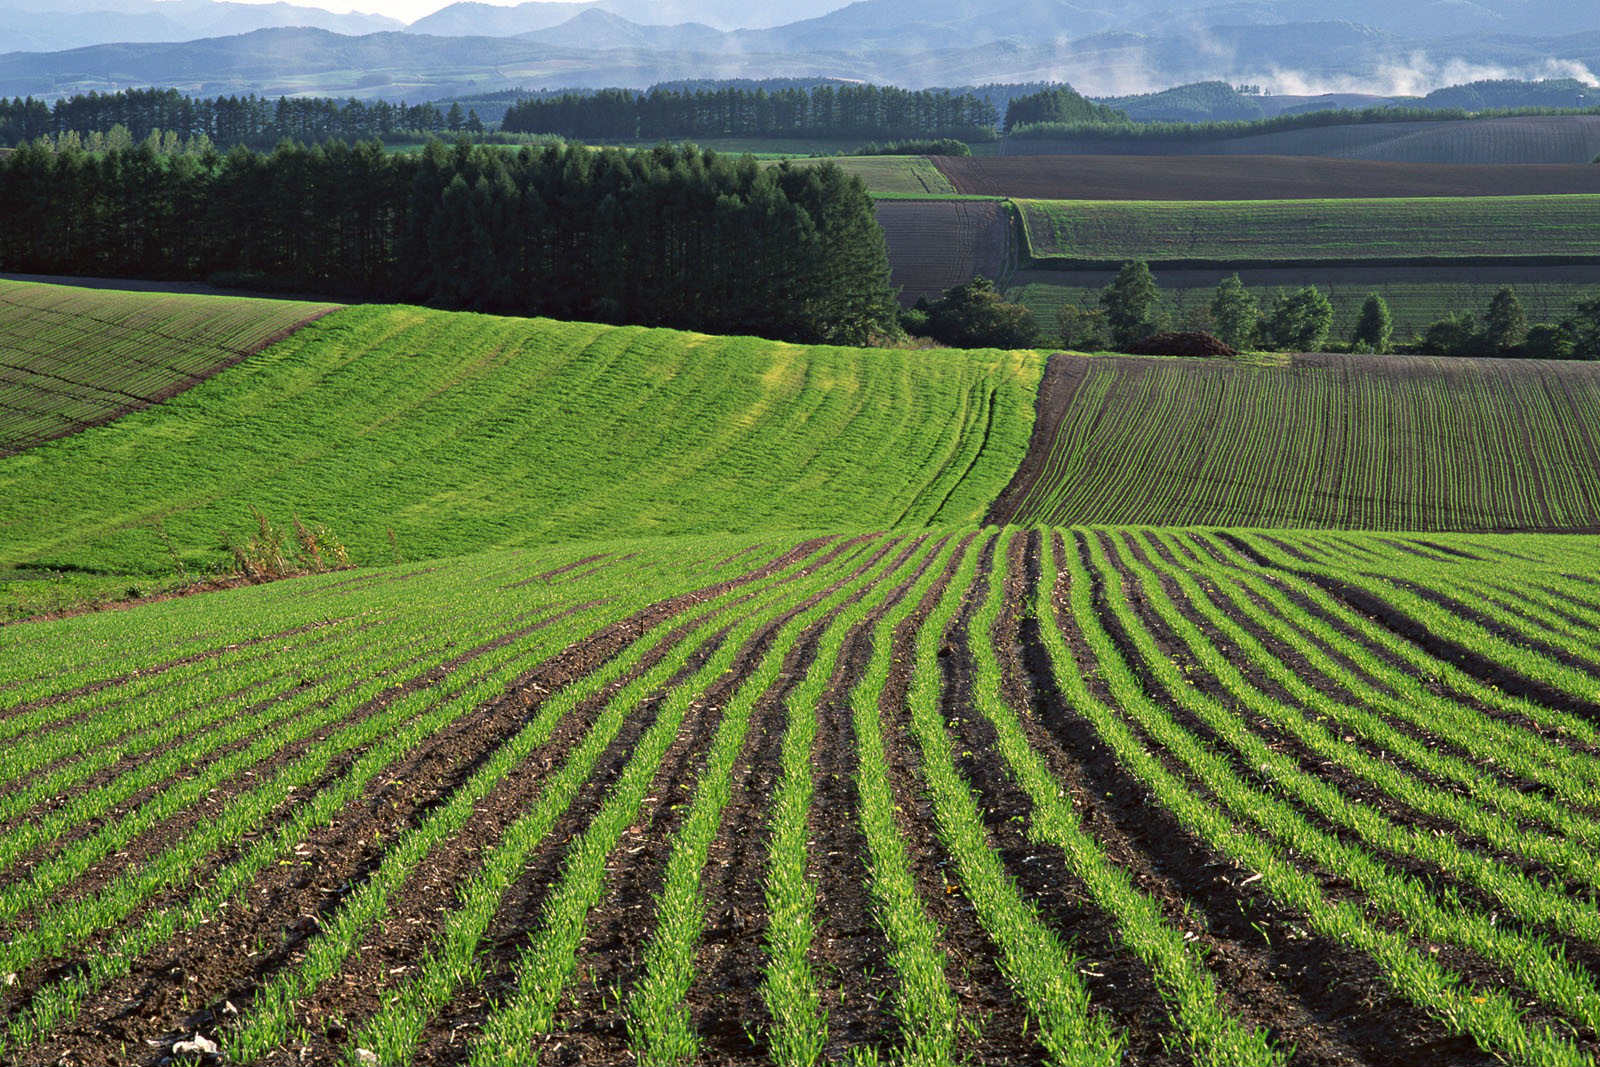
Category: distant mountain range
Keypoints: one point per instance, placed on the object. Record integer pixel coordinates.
(52, 25)
(1300, 47)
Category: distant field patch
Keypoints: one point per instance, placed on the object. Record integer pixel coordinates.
(1417, 296)
(1300, 230)
(73, 358)
(1526, 140)
(904, 175)
(1356, 442)
(935, 244)
(1175, 176)
(461, 431)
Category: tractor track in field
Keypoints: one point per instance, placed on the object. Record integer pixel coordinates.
(341, 855)
(1325, 998)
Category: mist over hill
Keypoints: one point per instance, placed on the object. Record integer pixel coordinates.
(1357, 50)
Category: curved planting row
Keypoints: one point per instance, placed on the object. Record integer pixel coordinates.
(1084, 796)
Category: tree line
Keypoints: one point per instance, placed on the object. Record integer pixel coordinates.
(824, 111)
(674, 236)
(226, 121)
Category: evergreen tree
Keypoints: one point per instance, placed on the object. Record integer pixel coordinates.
(1375, 328)
(1132, 304)
(1506, 326)
(1235, 313)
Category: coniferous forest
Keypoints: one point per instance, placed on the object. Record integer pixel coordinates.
(674, 236)
(863, 111)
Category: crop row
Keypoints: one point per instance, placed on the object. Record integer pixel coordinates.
(1353, 442)
(1108, 784)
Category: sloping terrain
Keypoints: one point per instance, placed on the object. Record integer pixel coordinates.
(1171, 176)
(936, 244)
(458, 432)
(1356, 442)
(1054, 796)
(72, 358)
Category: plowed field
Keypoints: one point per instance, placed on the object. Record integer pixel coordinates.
(1362, 442)
(1045, 796)
(1173, 177)
(936, 244)
(74, 358)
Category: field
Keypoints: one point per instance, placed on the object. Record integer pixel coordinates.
(911, 176)
(1529, 140)
(1387, 230)
(452, 431)
(1358, 442)
(702, 723)
(935, 244)
(74, 358)
(1177, 177)
(1046, 796)
(1417, 296)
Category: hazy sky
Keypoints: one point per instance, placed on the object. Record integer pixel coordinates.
(404, 10)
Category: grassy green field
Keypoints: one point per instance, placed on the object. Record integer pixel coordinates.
(913, 176)
(73, 358)
(702, 722)
(1357, 442)
(1342, 230)
(1417, 296)
(460, 432)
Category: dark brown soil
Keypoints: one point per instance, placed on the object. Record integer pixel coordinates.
(282, 908)
(1062, 376)
(1156, 177)
(1335, 998)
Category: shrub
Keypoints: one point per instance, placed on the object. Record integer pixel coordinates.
(974, 315)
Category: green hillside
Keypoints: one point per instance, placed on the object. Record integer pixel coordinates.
(1298, 230)
(71, 358)
(1356, 442)
(460, 432)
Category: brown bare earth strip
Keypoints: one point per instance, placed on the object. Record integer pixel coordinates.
(1239, 177)
(340, 856)
(592, 1027)
(547, 575)
(1063, 375)
(1439, 884)
(997, 1023)
(424, 906)
(1340, 990)
(1116, 982)
(415, 915)
(133, 760)
(850, 948)
(1301, 603)
(177, 827)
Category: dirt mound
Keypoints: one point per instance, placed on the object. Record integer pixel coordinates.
(1239, 177)
(1182, 343)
